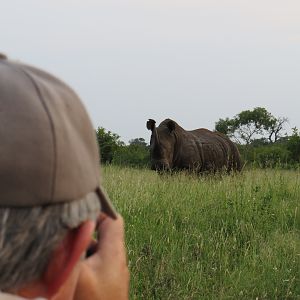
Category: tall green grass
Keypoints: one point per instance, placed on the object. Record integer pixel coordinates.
(222, 237)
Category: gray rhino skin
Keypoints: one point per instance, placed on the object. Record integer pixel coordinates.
(200, 150)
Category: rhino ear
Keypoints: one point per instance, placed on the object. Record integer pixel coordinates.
(150, 124)
(171, 125)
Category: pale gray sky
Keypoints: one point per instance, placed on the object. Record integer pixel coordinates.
(194, 61)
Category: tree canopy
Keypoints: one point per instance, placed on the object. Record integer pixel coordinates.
(108, 143)
(250, 125)
(113, 150)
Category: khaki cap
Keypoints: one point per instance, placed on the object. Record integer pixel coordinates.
(48, 152)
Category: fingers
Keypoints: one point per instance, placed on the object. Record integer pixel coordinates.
(110, 250)
(111, 240)
(105, 274)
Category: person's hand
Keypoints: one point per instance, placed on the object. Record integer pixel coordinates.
(104, 275)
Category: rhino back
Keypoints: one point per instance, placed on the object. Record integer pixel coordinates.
(188, 152)
(208, 150)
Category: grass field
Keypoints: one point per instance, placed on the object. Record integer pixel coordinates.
(224, 237)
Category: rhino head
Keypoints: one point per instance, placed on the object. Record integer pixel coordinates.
(162, 144)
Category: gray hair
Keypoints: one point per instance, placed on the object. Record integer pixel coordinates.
(28, 236)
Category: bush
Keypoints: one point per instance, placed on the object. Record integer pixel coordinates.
(293, 145)
(271, 156)
(284, 153)
(109, 143)
(133, 155)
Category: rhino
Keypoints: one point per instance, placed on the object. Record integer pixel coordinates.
(199, 150)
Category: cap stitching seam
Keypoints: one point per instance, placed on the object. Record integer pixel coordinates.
(42, 100)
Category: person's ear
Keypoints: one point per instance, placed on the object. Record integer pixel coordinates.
(62, 262)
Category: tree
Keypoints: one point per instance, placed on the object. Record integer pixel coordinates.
(293, 145)
(138, 141)
(108, 143)
(226, 126)
(275, 128)
(250, 125)
(136, 154)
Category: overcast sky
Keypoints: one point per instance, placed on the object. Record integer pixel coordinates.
(190, 60)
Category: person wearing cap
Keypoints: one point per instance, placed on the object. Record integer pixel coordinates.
(51, 200)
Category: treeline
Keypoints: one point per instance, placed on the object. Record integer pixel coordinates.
(115, 151)
(261, 137)
(284, 153)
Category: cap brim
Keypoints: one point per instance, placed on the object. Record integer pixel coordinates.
(106, 205)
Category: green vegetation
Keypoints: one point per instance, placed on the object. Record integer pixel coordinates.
(248, 125)
(136, 154)
(285, 153)
(109, 143)
(114, 151)
(224, 237)
(262, 139)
